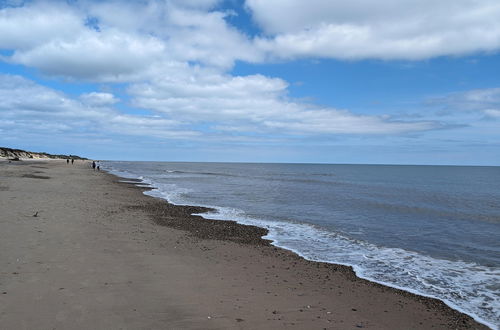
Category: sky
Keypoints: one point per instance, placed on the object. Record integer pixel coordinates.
(317, 81)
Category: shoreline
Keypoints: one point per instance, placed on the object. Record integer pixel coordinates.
(100, 254)
(196, 213)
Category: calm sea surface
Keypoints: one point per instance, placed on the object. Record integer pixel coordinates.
(432, 230)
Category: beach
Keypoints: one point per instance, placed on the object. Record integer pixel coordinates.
(79, 249)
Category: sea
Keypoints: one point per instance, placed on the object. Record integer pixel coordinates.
(430, 230)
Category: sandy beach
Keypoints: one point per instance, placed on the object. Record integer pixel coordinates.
(81, 250)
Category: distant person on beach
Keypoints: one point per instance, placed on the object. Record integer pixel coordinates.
(93, 166)
(72, 161)
(67, 161)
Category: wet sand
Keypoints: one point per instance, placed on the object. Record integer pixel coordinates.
(99, 254)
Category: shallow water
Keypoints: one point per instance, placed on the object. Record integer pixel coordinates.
(432, 230)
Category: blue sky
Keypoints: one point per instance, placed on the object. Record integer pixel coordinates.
(398, 82)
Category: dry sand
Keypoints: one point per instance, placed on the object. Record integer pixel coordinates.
(101, 255)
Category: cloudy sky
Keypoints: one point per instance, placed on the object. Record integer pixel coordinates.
(326, 81)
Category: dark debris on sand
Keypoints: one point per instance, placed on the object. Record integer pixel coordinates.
(33, 176)
(181, 217)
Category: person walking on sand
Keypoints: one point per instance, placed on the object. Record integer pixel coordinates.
(67, 161)
(93, 165)
(72, 161)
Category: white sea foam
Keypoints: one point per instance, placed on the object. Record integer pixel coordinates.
(467, 287)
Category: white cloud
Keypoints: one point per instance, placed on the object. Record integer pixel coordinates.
(483, 96)
(482, 101)
(31, 108)
(24, 98)
(98, 99)
(110, 56)
(386, 29)
(128, 40)
(255, 104)
(175, 56)
(494, 113)
(207, 38)
(29, 26)
(190, 32)
(331, 121)
(124, 41)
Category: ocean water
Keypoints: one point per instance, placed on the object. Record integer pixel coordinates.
(431, 230)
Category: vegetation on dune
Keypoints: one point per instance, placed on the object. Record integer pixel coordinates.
(17, 154)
